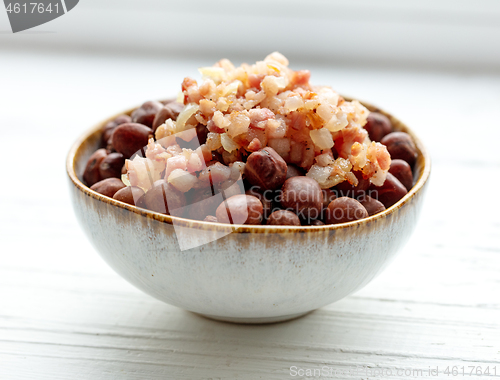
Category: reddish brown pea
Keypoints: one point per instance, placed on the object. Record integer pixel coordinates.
(329, 195)
(283, 218)
(303, 196)
(402, 171)
(110, 127)
(108, 186)
(294, 171)
(164, 198)
(345, 209)
(169, 111)
(266, 169)
(201, 202)
(130, 138)
(401, 146)
(201, 133)
(91, 174)
(390, 192)
(121, 119)
(264, 198)
(112, 165)
(378, 125)
(146, 113)
(240, 209)
(371, 205)
(131, 194)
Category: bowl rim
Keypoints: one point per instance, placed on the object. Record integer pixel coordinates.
(243, 228)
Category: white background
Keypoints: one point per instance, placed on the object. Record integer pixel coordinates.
(434, 64)
(431, 33)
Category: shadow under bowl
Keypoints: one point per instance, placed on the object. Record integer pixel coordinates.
(245, 274)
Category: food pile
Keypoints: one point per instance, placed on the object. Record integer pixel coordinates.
(276, 149)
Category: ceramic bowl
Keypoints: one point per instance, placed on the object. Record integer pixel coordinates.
(248, 274)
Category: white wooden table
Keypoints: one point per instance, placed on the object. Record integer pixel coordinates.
(65, 315)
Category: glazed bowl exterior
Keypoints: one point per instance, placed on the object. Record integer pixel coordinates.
(252, 274)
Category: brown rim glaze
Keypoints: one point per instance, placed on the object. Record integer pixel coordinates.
(423, 163)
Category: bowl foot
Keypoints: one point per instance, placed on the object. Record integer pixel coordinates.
(255, 321)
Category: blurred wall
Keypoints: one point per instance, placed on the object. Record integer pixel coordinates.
(421, 33)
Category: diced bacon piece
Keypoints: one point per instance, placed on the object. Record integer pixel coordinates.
(380, 162)
(220, 121)
(143, 172)
(153, 150)
(174, 150)
(281, 146)
(373, 160)
(190, 90)
(307, 156)
(254, 133)
(301, 77)
(254, 80)
(276, 128)
(254, 145)
(207, 107)
(166, 129)
(252, 99)
(381, 155)
(219, 172)
(296, 152)
(200, 119)
(223, 104)
(187, 83)
(214, 128)
(194, 163)
(358, 156)
(207, 88)
(349, 136)
(297, 120)
(176, 162)
(259, 117)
